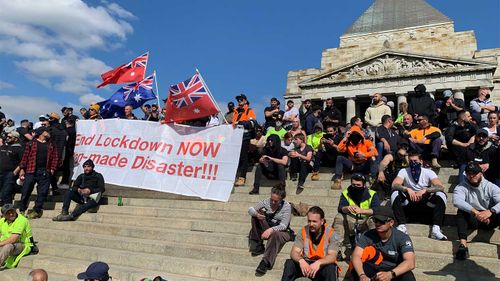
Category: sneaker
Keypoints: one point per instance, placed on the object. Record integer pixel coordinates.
(63, 216)
(402, 228)
(462, 252)
(35, 214)
(437, 234)
(254, 190)
(336, 184)
(262, 268)
(240, 181)
(435, 163)
(293, 177)
(315, 176)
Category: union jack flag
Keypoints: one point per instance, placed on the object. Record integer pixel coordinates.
(134, 71)
(140, 61)
(146, 84)
(188, 92)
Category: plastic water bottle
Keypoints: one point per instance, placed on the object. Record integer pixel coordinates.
(120, 201)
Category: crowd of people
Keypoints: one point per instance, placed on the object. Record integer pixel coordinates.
(392, 153)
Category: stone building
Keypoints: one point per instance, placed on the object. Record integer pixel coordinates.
(393, 46)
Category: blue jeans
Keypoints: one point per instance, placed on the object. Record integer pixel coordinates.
(42, 178)
(7, 183)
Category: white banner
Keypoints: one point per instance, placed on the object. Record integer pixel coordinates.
(185, 160)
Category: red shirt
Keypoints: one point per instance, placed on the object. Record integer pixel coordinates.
(28, 161)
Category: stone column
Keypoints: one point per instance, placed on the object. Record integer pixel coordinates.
(401, 99)
(351, 109)
(495, 93)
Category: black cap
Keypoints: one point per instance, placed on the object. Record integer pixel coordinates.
(241, 96)
(63, 109)
(229, 104)
(358, 177)
(89, 163)
(383, 213)
(24, 121)
(274, 99)
(420, 88)
(97, 270)
(482, 132)
(473, 168)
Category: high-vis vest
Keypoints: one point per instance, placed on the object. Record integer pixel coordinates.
(370, 255)
(322, 249)
(365, 205)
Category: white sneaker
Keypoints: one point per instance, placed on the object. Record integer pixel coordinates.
(437, 234)
(402, 228)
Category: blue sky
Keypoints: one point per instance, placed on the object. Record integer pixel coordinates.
(53, 51)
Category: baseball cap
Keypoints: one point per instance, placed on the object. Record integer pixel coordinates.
(54, 115)
(42, 117)
(95, 107)
(63, 109)
(7, 207)
(242, 96)
(97, 270)
(482, 132)
(473, 168)
(13, 134)
(447, 93)
(383, 213)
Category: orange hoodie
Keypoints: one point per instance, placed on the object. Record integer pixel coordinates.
(364, 147)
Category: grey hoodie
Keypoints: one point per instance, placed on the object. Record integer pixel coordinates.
(485, 196)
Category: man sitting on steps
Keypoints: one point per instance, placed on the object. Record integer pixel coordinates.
(16, 239)
(86, 191)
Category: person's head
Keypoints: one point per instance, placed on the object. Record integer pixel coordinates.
(464, 116)
(289, 104)
(259, 131)
(278, 194)
(358, 181)
(9, 212)
(383, 218)
(402, 152)
(278, 119)
(376, 98)
(53, 117)
(492, 119)
(42, 118)
(288, 138)
(66, 111)
(96, 271)
(316, 110)
(25, 123)
(88, 166)
(331, 130)
(128, 110)
(83, 110)
(408, 119)
(403, 107)
(387, 121)
(230, 106)
(242, 100)
(481, 138)
(275, 103)
(38, 275)
(315, 219)
(355, 137)
(483, 93)
(420, 89)
(295, 123)
(356, 121)
(94, 109)
(146, 107)
(473, 173)
(154, 107)
(318, 128)
(12, 137)
(415, 158)
(329, 102)
(307, 104)
(10, 122)
(299, 139)
(423, 121)
(42, 133)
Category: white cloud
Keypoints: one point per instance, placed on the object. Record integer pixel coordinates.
(50, 40)
(90, 98)
(6, 85)
(30, 108)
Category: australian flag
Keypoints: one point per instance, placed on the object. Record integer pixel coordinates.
(135, 94)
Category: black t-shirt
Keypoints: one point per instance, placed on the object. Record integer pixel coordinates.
(22, 139)
(389, 135)
(71, 142)
(10, 157)
(41, 154)
(282, 152)
(304, 151)
(392, 250)
(269, 120)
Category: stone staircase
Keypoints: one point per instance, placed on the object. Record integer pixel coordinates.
(182, 238)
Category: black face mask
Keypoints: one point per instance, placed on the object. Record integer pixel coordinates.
(355, 192)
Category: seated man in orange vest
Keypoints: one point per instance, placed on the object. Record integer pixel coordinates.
(426, 139)
(314, 253)
(383, 253)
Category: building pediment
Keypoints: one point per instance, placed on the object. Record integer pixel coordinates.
(392, 64)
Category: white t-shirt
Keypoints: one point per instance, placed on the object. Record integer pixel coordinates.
(426, 175)
(491, 133)
(288, 114)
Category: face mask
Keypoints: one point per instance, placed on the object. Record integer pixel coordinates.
(488, 96)
(415, 169)
(278, 124)
(355, 191)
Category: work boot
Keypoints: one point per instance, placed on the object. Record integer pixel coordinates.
(262, 268)
(255, 190)
(33, 214)
(315, 176)
(462, 252)
(336, 184)
(435, 163)
(240, 181)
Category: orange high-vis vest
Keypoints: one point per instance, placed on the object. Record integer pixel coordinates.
(322, 249)
(246, 115)
(371, 255)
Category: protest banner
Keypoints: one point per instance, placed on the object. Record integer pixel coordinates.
(185, 160)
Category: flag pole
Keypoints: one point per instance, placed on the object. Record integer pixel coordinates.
(211, 97)
(157, 93)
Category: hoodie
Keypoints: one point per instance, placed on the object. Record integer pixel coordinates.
(422, 104)
(483, 197)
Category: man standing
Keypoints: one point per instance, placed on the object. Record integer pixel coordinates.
(312, 120)
(270, 111)
(383, 253)
(356, 205)
(228, 117)
(59, 137)
(481, 106)
(331, 115)
(314, 253)
(304, 111)
(374, 113)
(129, 114)
(271, 222)
(40, 161)
(426, 139)
(422, 103)
(68, 115)
(10, 157)
(16, 238)
(418, 191)
(244, 116)
(450, 109)
(290, 114)
(24, 132)
(87, 190)
(478, 203)
(68, 162)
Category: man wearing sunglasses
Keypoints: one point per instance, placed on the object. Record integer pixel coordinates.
(418, 195)
(383, 253)
(357, 203)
